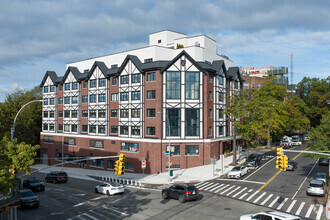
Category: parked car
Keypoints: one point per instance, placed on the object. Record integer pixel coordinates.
(34, 184)
(253, 160)
(181, 192)
(57, 177)
(296, 141)
(292, 165)
(316, 188)
(324, 162)
(322, 176)
(28, 199)
(110, 188)
(271, 215)
(237, 172)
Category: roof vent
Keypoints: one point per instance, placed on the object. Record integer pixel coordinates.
(197, 44)
(114, 66)
(148, 60)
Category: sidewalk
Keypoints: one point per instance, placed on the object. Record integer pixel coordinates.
(195, 174)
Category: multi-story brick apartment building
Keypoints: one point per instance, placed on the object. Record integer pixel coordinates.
(137, 102)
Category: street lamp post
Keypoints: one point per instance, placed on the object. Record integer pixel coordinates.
(12, 131)
(169, 141)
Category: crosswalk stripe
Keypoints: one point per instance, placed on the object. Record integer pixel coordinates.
(250, 197)
(319, 213)
(266, 200)
(211, 186)
(282, 203)
(233, 191)
(225, 186)
(271, 204)
(201, 183)
(227, 189)
(255, 201)
(243, 195)
(300, 208)
(211, 190)
(291, 205)
(239, 192)
(309, 211)
(205, 186)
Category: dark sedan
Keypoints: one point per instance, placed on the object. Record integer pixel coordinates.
(253, 160)
(181, 192)
(57, 177)
(292, 165)
(324, 162)
(28, 199)
(34, 184)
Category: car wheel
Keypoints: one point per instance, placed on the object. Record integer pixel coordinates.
(164, 195)
(96, 190)
(182, 199)
(108, 193)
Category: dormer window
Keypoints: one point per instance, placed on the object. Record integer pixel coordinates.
(159, 41)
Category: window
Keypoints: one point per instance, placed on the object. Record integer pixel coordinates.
(58, 156)
(45, 127)
(210, 78)
(135, 130)
(60, 101)
(52, 101)
(92, 128)
(102, 97)
(60, 114)
(114, 130)
(92, 83)
(236, 84)
(175, 149)
(209, 133)
(136, 78)
(85, 99)
(210, 113)
(124, 130)
(45, 114)
(129, 166)
(173, 82)
(111, 164)
(173, 122)
(45, 101)
(151, 130)
(67, 128)
(67, 114)
(51, 127)
(132, 147)
(74, 128)
(124, 113)
(61, 87)
(246, 85)
(151, 112)
(52, 88)
(48, 139)
(84, 113)
(135, 113)
(74, 99)
(85, 84)
(96, 163)
(221, 130)
(92, 113)
(92, 98)
(45, 89)
(192, 122)
(51, 114)
(60, 127)
(124, 79)
(96, 144)
(74, 114)
(151, 94)
(67, 100)
(102, 82)
(114, 81)
(136, 95)
(114, 113)
(114, 97)
(221, 113)
(192, 85)
(210, 95)
(101, 129)
(67, 86)
(124, 96)
(84, 128)
(252, 86)
(102, 113)
(151, 76)
(221, 97)
(191, 150)
(258, 86)
(69, 157)
(74, 86)
(220, 79)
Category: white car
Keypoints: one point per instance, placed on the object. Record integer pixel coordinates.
(237, 172)
(273, 215)
(110, 188)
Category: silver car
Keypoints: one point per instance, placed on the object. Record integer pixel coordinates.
(322, 176)
(316, 188)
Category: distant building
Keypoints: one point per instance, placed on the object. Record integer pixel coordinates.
(137, 102)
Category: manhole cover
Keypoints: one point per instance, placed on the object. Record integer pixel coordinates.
(227, 208)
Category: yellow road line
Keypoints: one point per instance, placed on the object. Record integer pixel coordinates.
(273, 177)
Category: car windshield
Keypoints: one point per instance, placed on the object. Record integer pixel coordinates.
(315, 185)
(284, 142)
(236, 169)
(35, 181)
(252, 158)
(191, 188)
(26, 194)
(115, 184)
(320, 175)
(291, 162)
(61, 174)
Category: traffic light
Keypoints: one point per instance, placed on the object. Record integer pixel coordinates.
(121, 165)
(13, 170)
(116, 167)
(122, 157)
(285, 162)
(279, 151)
(279, 162)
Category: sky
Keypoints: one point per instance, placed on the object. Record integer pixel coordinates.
(41, 35)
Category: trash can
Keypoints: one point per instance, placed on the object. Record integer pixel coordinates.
(171, 172)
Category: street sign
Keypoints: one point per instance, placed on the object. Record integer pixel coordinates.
(143, 164)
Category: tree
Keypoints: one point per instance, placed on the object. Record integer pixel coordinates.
(316, 94)
(14, 155)
(320, 134)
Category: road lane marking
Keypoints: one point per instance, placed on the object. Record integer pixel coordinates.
(115, 210)
(225, 186)
(227, 189)
(205, 186)
(243, 181)
(319, 213)
(239, 192)
(282, 204)
(271, 179)
(262, 195)
(291, 205)
(243, 195)
(201, 183)
(211, 186)
(211, 190)
(233, 191)
(258, 169)
(309, 211)
(300, 154)
(79, 204)
(266, 200)
(300, 208)
(248, 199)
(273, 202)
